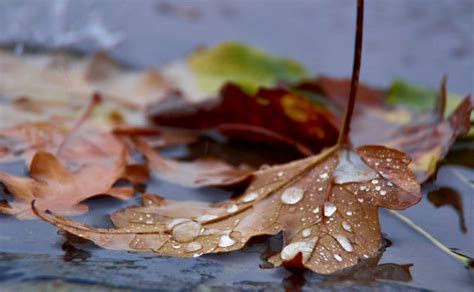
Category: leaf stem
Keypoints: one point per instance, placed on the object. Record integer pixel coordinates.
(345, 128)
(95, 100)
(440, 105)
(467, 261)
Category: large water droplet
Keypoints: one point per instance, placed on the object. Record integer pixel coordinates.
(351, 168)
(303, 247)
(344, 242)
(292, 195)
(187, 231)
(329, 209)
(175, 222)
(193, 246)
(226, 241)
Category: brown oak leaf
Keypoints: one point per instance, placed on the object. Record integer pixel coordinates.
(325, 206)
(55, 187)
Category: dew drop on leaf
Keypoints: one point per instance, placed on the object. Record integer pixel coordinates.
(344, 242)
(250, 197)
(347, 227)
(329, 209)
(187, 231)
(292, 195)
(226, 241)
(193, 246)
(232, 208)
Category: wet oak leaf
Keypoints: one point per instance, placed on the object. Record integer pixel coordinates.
(325, 206)
(271, 115)
(54, 187)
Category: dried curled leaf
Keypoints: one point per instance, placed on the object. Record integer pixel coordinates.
(325, 206)
(198, 173)
(54, 187)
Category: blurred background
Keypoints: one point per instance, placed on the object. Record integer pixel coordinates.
(417, 40)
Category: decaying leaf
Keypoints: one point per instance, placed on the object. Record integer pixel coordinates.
(67, 164)
(206, 70)
(293, 120)
(199, 173)
(325, 205)
(271, 115)
(54, 187)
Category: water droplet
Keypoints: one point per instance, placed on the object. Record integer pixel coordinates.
(187, 231)
(280, 174)
(226, 241)
(383, 192)
(232, 208)
(344, 242)
(292, 195)
(377, 188)
(316, 211)
(351, 168)
(303, 247)
(375, 181)
(320, 189)
(206, 217)
(329, 209)
(389, 184)
(349, 213)
(361, 200)
(362, 188)
(250, 197)
(193, 246)
(338, 258)
(323, 175)
(347, 227)
(388, 159)
(149, 221)
(175, 222)
(306, 232)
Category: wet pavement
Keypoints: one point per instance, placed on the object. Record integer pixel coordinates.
(417, 40)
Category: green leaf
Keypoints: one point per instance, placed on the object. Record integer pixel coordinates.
(247, 66)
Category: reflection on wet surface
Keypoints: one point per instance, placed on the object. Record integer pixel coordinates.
(445, 196)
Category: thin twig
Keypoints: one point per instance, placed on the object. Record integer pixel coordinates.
(467, 261)
(345, 128)
(96, 99)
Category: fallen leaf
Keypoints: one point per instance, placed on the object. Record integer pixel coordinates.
(54, 187)
(198, 173)
(325, 205)
(206, 70)
(274, 116)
